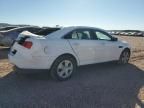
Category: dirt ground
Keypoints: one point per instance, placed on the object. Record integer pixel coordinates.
(105, 85)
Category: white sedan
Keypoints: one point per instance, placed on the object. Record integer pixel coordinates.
(62, 51)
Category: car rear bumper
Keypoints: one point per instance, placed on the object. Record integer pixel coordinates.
(29, 71)
(23, 62)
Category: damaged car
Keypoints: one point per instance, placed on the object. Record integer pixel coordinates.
(62, 51)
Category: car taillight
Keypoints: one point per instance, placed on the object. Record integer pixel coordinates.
(27, 44)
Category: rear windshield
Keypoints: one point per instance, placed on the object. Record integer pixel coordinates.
(46, 31)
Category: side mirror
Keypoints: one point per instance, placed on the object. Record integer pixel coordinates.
(114, 39)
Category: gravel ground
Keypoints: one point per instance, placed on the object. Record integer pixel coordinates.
(105, 85)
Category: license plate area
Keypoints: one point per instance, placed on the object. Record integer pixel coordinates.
(13, 52)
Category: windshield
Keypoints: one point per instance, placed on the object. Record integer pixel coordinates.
(47, 31)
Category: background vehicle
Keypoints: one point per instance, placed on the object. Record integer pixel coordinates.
(7, 28)
(122, 33)
(65, 49)
(7, 37)
(139, 34)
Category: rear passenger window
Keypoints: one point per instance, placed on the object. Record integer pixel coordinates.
(84, 35)
(74, 35)
(79, 35)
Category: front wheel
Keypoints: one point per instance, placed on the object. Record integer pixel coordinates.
(63, 68)
(124, 57)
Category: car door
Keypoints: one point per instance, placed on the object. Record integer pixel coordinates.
(82, 45)
(110, 49)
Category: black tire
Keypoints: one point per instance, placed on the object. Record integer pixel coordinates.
(124, 57)
(16, 70)
(55, 69)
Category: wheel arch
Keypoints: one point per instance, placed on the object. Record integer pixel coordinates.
(70, 55)
(127, 49)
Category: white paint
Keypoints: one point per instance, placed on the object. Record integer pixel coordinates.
(45, 50)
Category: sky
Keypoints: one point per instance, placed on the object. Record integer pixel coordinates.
(106, 14)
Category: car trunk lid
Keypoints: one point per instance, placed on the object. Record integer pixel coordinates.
(26, 43)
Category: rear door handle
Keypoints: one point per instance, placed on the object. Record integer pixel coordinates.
(76, 44)
(103, 43)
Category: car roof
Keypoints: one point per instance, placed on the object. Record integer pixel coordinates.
(60, 33)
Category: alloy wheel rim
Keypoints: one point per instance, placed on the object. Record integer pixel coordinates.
(125, 57)
(65, 68)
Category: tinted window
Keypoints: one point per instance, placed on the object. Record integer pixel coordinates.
(33, 30)
(79, 34)
(46, 31)
(30, 29)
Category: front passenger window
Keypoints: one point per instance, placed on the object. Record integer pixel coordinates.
(102, 36)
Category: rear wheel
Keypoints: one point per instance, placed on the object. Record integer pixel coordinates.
(63, 68)
(124, 57)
